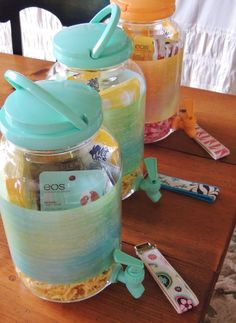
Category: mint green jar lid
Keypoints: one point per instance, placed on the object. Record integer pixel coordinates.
(93, 45)
(49, 115)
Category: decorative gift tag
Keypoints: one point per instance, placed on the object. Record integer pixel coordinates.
(173, 286)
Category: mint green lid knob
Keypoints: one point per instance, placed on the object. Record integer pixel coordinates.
(49, 115)
(95, 44)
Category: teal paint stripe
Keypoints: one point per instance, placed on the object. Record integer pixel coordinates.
(127, 126)
(64, 246)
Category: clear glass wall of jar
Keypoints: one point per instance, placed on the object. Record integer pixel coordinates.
(97, 54)
(158, 50)
(60, 192)
(51, 200)
(122, 89)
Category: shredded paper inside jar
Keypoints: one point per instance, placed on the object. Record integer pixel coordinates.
(66, 292)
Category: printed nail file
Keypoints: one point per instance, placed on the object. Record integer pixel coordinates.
(214, 148)
(204, 192)
(173, 286)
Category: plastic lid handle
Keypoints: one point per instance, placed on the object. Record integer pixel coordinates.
(114, 10)
(19, 81)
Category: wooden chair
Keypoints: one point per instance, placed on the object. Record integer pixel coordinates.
(69, 12)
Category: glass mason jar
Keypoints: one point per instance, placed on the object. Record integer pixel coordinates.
(98, 55)
(60, 190)
(158, 50)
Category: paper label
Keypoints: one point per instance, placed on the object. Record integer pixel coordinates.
(163, 83)
(64, 246)
(143, 48)
(124, 108)
(70, 189)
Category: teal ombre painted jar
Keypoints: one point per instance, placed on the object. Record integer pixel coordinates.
(98, 55)
(60, 191)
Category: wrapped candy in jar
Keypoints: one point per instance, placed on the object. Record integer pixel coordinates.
(97, 54)
(158, 50)
(60, 190)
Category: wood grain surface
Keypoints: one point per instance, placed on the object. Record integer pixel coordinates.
(193, 235)
(114, 304)
(216, 113)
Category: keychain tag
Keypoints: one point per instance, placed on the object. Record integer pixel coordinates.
(214, 148)
(173, 286)
(186, 120)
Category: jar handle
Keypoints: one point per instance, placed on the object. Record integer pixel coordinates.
(114, 10)
(19, 81)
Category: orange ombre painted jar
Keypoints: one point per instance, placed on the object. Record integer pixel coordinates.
(158, 50)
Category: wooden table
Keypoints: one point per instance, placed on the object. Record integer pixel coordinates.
(193, 235)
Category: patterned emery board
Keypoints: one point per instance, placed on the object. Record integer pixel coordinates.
(179, 294)
(203, 192)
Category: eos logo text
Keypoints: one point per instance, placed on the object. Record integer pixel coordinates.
(54, 187)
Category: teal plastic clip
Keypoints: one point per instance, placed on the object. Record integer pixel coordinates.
(132, 276)
(151, 184)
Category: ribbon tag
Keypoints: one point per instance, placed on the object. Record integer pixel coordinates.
(187, 121)
(173, 286)
(214, 148)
